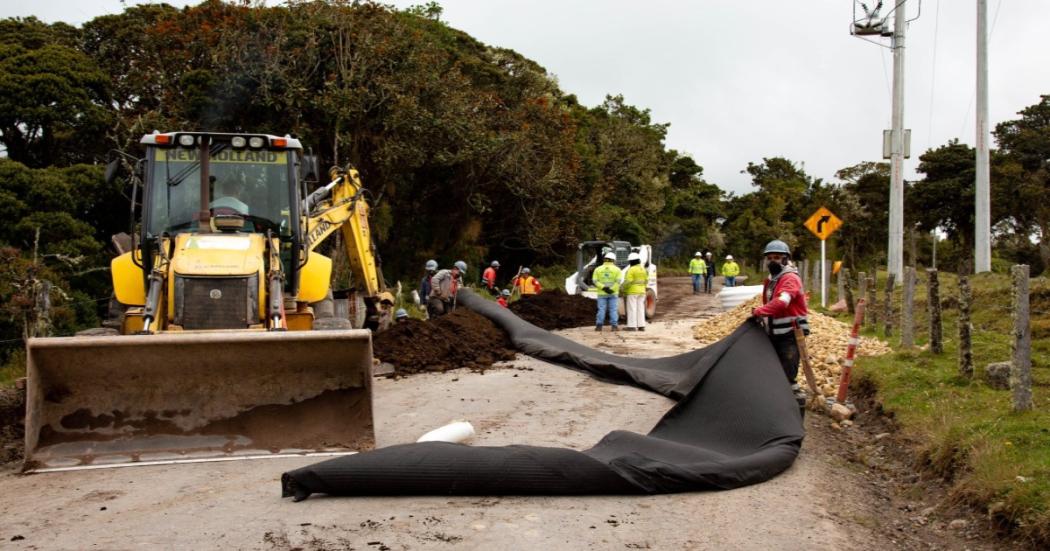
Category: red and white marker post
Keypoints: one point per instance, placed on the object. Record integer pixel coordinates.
(851, 351)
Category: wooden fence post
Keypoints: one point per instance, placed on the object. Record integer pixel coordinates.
(933, 295)
(888, 317)
(840, 289)
(850, 306)
(871, 308)
(908, 309)
(862, 285)
(1021, 343)
(965, 328)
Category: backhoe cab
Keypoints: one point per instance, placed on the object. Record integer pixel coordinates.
(219, 293)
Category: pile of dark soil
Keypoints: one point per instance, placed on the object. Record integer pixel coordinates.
(552, 310)
(12, 430)
(460, 339)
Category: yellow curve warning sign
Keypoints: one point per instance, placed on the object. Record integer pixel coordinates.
(823, 223)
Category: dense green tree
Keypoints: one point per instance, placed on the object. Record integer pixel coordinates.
(944, 198)
(1024, 174)
(52, 96)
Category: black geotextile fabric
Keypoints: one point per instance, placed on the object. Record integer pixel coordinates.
(735, 423)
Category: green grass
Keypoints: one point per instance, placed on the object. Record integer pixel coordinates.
(966, 431)
(14, 368)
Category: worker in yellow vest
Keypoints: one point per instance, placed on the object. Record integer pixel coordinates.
(635, 281)
(526, 284)
(697, 269)
(607, 286)
(730, 269)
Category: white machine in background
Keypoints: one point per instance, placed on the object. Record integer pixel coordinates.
(588, 257)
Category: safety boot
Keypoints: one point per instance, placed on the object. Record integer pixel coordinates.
(598, 328)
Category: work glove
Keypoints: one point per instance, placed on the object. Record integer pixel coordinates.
(608, 290)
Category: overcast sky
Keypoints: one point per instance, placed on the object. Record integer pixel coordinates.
(742, 80)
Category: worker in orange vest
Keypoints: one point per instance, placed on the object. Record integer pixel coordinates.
(527, 284)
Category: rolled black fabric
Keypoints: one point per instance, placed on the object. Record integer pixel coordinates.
(736, 423)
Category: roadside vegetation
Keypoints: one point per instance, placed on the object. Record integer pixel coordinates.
(962, 430)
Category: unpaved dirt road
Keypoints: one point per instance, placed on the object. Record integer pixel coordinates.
(822, 502)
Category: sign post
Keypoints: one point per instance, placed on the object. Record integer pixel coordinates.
(822, 224)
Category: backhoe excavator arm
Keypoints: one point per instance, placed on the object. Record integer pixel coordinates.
(341, 205)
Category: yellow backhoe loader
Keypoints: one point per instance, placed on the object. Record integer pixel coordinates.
(220, 353)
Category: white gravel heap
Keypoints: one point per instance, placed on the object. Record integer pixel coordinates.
(826, 343)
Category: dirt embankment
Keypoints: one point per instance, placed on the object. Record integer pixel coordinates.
(12, 430)
(460, 339)
(553, 310)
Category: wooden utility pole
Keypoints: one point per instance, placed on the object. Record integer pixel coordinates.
(1021, 343)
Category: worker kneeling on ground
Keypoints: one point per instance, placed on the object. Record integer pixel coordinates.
(607, 280)
(401, 315)
(503, 298)
(783, 306)
(634, 284)
(443, 289)
(697, 269)
(730, 270)
(526, 284)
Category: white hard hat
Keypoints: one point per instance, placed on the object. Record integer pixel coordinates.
(729, 257)
(708, 254)
(526, 271)
(495, 264)
(610, 256)
(698, 253)
(634, 256)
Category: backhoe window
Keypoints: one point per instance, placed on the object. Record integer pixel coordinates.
(250, 183)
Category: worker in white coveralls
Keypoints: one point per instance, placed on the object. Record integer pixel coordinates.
(607, 286)
(634, 282)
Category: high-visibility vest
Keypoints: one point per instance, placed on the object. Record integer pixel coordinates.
(697, 266)
(730, 269)
(635, 280)
(607, 275)
(528, 285)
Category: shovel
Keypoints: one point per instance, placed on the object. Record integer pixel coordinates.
(816, 399)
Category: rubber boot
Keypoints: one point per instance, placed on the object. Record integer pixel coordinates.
(598, 328)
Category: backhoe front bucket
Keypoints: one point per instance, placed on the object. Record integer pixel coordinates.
(94, 401)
